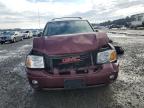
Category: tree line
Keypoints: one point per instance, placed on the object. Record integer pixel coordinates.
(119, 22)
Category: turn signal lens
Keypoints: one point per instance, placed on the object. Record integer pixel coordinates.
(113, 56)
(28, 62)
(106, 56)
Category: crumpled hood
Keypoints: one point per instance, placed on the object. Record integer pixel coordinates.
(68, 44)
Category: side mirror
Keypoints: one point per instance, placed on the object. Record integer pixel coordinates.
(96, 30)
(40, 34)
(119, 50)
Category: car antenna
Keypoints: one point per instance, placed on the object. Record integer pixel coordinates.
(37, 12)
(39, 18)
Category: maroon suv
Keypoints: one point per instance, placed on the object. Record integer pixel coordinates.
(69, 55)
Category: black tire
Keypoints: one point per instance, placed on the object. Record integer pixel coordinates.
(2, 42)
(22, 39)
(14, 40)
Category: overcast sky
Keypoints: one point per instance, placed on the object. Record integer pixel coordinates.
(24, 13)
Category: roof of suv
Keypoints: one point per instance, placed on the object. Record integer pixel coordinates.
(66, 19)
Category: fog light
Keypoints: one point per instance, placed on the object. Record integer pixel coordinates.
(34, 82)
(111, 77)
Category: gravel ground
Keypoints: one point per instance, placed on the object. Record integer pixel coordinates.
(126, 92)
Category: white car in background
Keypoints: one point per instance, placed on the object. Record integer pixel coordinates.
(27, 34)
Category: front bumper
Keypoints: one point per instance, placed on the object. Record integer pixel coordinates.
(106, 75)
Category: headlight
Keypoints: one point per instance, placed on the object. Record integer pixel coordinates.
(33, 61)
(106, 56)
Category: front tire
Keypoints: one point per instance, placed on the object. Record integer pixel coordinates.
(2, 42)
(22, 39)
(13, 40)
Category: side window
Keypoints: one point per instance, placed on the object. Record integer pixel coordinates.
(16, 34)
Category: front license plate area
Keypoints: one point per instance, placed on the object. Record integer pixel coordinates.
(74, 84)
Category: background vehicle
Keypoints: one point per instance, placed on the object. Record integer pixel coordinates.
(138, 20)
(10, 36)
(27, 34)
(35, 33)
(70, 55)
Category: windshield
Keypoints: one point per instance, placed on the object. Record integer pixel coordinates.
(8, 33)
(26, 32)
(67, 27)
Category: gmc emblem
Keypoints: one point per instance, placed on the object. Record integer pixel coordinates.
(71, 60)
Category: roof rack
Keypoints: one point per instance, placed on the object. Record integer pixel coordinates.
(66, 18)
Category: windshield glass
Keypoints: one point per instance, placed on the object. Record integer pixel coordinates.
(27, 32)
(67, 27)
(8, 33)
